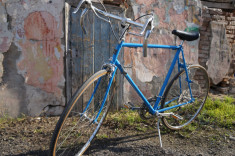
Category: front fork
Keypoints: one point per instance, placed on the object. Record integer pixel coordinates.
(111, 71)
(112, 74)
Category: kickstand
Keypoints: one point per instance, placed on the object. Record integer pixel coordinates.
(159, 132)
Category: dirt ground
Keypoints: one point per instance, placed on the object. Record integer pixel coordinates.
(31, 136)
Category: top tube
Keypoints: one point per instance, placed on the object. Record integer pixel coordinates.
(137, 45)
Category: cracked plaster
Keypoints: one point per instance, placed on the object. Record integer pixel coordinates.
(36, 28)
(169, 15)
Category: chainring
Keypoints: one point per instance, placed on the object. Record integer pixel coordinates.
(144, 111)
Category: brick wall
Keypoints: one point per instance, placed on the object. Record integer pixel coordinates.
(230, 31)
(218, 28)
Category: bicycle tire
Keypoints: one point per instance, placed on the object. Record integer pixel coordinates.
(173, 95)
(78, 124)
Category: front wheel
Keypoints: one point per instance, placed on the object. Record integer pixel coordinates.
(178, 92)
(79, 122)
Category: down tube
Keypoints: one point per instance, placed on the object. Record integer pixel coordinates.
(152, 111)
(156, 105)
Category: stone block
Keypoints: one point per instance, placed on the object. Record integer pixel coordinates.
(220, 53)
(230, 32)
(232, 23)
(230, 18)
(53, 111)
(205, 43)
(230, 27)
(232, 82)
(223, 90)
(230, 35)
(204, 52)
(215, 11)
(203, 37)
(218, 17)
(1, 67)
(203, 64)
(202, 28)
(205, 56)
(205, 47)
(232, 90)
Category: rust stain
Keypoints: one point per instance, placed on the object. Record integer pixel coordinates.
(43, 69)
(41, 26)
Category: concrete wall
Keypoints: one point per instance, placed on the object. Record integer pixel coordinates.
(31, 57)
(150, 72)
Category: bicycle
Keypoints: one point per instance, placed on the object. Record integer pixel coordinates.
(177, 104)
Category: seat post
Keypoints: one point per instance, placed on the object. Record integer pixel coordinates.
(182, 42)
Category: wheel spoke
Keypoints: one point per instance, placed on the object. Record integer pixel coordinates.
(179, 89)
(76, 127)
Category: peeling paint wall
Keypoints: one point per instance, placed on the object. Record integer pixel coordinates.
(31, 57)
(149, 72)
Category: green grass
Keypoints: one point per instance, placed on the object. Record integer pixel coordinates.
(102, 136)
(218, 112)
(126, 119)
(5, 119)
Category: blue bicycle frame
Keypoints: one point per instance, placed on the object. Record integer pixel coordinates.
(156, 108)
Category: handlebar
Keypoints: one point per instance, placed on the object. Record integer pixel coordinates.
(146, 28)
(80, 4)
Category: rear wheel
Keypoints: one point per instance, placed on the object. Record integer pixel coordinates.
(79, 123)
(177, 92)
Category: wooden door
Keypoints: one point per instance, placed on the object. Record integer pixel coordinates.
(86, 53)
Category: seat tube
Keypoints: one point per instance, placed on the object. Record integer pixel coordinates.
(180, 66)
(186, 71)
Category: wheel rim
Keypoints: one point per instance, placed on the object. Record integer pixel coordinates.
(199, 87)
(79, 126)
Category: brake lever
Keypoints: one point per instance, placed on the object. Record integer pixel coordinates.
(79, 6)
(146, 25)
(84, 12)
(147, 33)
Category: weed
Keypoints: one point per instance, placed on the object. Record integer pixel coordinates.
(125, 118)
(102, 136)
(216, 112)
(6, 120)
(220, 112)
(38, 130)
(141, 128)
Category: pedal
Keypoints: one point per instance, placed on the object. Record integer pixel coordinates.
(131, 106)
(177, 117)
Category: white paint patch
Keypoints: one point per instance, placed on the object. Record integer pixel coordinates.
(34, 52)
(143, 73)
(57, 54)
(41, 80)
(178, 6)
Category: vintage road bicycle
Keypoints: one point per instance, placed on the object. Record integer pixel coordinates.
(179, 101)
